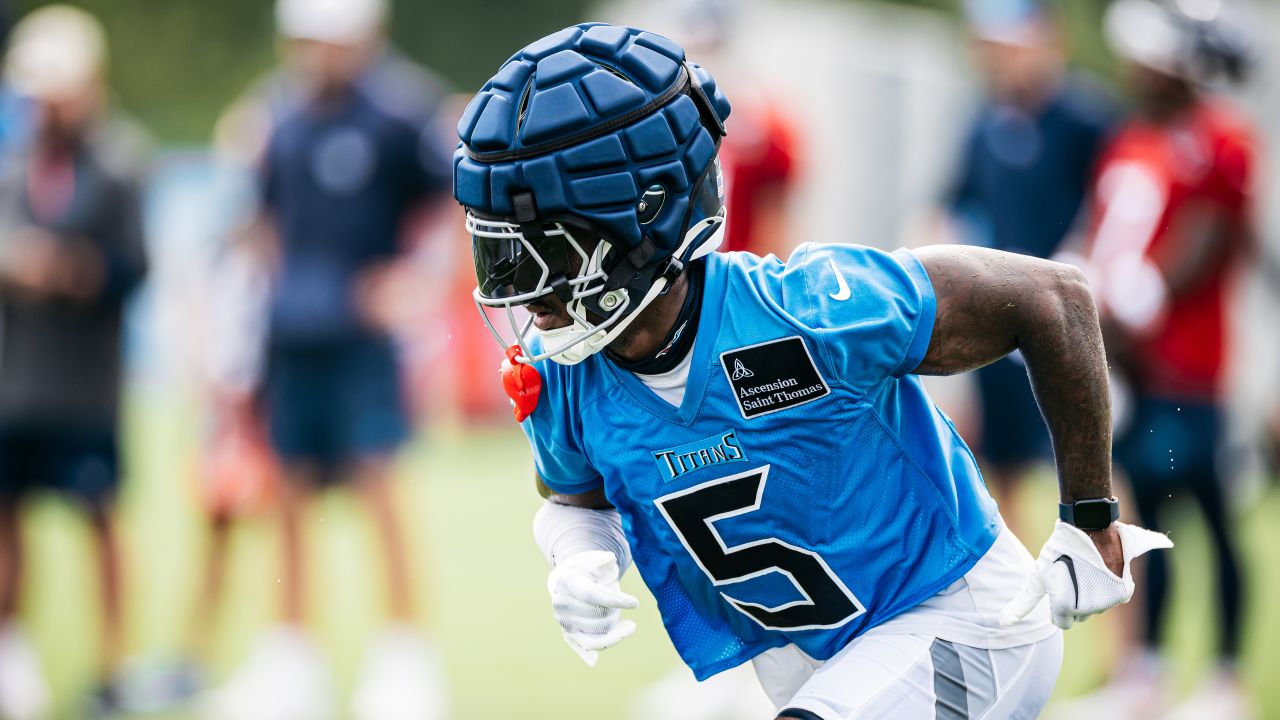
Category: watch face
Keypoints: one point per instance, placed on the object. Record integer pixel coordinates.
(1094, 514)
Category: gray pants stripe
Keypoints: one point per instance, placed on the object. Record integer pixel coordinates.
(952, 697)
(979, 679)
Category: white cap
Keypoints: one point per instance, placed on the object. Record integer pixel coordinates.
(1147, 34)
(1020, 23)
(340, 22)
(55, 52)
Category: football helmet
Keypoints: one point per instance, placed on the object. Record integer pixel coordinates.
(588, 171)
(1196, 40)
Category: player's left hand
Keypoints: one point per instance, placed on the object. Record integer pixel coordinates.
(1078, 582)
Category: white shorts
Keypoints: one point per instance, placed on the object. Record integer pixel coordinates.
(912, 676)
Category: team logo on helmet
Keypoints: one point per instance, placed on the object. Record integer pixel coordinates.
(651, 204)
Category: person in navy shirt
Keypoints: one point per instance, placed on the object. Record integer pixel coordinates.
(753, 433)
(353, 160)
(1025, 167)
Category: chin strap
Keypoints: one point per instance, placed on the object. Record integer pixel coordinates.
(709, 232)
(698, 242)
(679, 341)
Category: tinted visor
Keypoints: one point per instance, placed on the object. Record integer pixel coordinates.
(510, 266)
(506, 267)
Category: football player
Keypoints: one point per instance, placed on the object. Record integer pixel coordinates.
(1172, 225)
(752, 434)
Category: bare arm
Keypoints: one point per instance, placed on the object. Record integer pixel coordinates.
(991, 303)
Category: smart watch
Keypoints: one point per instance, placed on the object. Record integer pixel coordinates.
(1090, 514)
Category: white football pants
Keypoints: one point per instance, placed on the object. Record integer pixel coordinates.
(903, 677)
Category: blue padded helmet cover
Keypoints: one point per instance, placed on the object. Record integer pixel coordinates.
(586, 119)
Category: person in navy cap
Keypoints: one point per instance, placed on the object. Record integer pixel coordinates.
(1025, 166)
(351, 163)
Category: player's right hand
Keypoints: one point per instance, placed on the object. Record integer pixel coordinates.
(588, 604)
(1077, 580)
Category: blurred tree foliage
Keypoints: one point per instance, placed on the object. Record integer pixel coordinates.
(1081, 21)
(177, 63)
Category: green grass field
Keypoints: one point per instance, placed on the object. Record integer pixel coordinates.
(468, 500)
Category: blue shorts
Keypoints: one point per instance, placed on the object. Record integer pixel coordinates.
(1013, 431)
(335, 404)
(81, 461)
(1170, 444)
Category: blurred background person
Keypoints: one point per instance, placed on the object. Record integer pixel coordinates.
(1024, 170)
(759, 157)
(352, 160)
(1173, 216)
(237, 473)
(71, 250)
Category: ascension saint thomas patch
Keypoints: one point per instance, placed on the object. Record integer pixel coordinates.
(773, 376)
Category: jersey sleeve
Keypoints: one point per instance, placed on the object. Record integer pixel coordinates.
(871, 310)
(557, 449)
(1231, 182)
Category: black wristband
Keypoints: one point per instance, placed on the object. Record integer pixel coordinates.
(1091, 514)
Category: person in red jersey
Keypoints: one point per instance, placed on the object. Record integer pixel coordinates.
(760, 168)
(1172, 219)
(1173, 207)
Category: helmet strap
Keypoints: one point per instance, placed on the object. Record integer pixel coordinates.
(679, 341)
(710, 118)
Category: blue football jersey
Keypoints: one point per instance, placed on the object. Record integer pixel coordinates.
(807, 488)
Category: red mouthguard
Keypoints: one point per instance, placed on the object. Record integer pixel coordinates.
(522, 383)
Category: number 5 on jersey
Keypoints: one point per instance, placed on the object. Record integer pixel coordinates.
(693, 513)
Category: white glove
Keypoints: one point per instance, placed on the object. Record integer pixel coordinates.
(1070, 571)
(588, 604)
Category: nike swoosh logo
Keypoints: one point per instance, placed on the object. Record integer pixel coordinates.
(1071, 570)
(843, 292)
